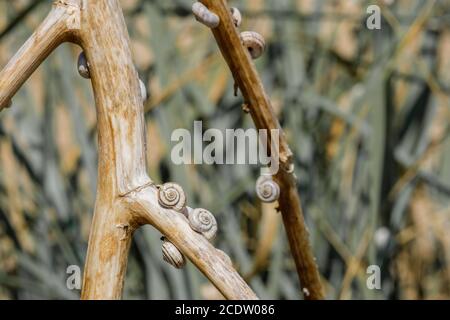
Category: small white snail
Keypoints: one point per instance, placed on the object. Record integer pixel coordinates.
(254, 42)
(204, 16)
(143, 90)
(203, 221)
(225, 258)
(267, 189)
(172, 255)
(83, 66)
(237, 17)
(172, 196)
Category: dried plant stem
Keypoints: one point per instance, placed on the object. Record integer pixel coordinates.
(126, 196)
(248, 81)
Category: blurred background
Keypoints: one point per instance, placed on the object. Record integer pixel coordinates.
(366, 113)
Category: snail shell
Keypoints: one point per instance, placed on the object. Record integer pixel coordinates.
(143, 90)
(172, 255)
(172, 196)
(267, 190)
(203, 221)
(204, 16)
(254, 42)
(83, 66)
(237, 17)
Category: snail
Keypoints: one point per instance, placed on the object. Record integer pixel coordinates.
(143, 90)
(267, 189)
(237, 17)
(254, 42)
(225, 258)
(204, 16)
(203, 221)
(172, 255)
(172, 196)
(83, 66)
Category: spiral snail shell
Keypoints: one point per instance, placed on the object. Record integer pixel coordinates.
(172, 255)
(83, 66)
(254, 42)
(267, 190)
(172, 196)
(203, 221)
(204, 16)
(237, 17)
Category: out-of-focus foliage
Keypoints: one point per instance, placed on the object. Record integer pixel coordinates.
(366, 113)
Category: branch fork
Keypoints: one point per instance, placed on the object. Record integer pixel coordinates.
(126, 196)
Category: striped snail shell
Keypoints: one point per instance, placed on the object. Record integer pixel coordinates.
(267, 189)
(204, 16)
(143, 90)
(203, 221)
(254, 42)
(237, 17)
(172, 196)
(172, 255)
(83, 66)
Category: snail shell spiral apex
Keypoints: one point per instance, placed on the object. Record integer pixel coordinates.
(237, 17)
(204, 222)
(172, 255)
(204, 16)
(172, 196)
(254, 42)
(83, 66)
(267, 190)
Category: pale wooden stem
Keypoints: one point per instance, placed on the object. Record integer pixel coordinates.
(125, 197)
(52, 32)
(249, 82)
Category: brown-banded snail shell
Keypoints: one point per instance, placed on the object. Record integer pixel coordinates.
(204, 222)
(237, 17)
(172, 255)
(204, 16)
(267, 189)
(172, 196)
(254, 42)
(83, 66)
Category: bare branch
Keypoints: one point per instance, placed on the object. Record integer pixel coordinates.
(54, 30)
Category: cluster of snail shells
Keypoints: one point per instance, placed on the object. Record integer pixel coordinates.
(83, 70)
(267, 189)
(172, 196)
(253, 41)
